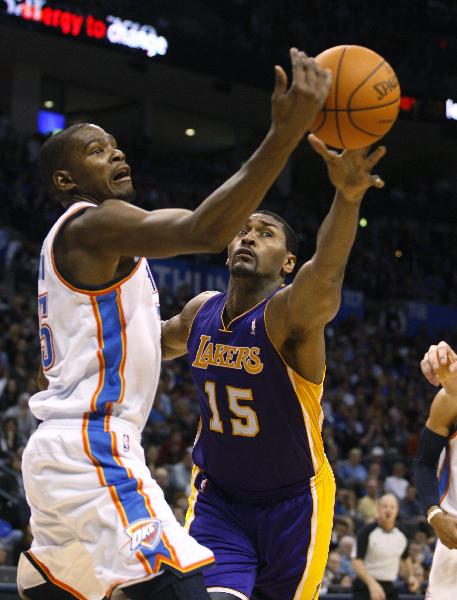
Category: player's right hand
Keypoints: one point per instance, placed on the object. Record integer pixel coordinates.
(439, 366)
(376, 591)
(445, 527)
(294, 110)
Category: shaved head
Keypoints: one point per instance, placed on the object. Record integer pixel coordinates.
(55, 155)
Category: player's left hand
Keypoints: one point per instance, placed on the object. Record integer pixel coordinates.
(350, 170)
(439, 366)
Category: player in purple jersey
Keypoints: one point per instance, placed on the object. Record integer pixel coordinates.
(263, 490)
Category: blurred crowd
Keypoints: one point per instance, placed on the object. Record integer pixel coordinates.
(243, 36)
(375, 401)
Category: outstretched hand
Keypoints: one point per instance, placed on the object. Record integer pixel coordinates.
(294, 109)
(350, 171)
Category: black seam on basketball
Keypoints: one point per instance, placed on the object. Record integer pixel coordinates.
(378, 66)
(336, 95)
(324, 118)
(351, 110)
(375, 135)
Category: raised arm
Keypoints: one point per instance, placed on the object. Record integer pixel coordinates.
(176, 330)
(119, 229)
(439, 366)
(300, 312)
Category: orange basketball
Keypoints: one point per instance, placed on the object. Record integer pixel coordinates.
(364, 98)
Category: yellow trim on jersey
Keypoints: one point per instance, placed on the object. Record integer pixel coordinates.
(323, 492)
(309, 395)
(226, 329)
(190, 514)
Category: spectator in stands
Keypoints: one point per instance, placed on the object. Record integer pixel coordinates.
(26, 422)
(367, 508)
(342, 525)
(351, 471)
(381, 547)
(346, 549)
(396, 483)
(9, 438)
(410, 509)
(162, 478)
(172, 449)
(181, 472)
(332, 574)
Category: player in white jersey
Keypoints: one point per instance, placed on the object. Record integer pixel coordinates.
(99, 521)
(435, 470)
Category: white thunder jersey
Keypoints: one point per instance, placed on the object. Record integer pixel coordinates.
(447, 476)
(99, 521)
(100, 349)
(443, 575)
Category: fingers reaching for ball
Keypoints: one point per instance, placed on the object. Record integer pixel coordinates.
(294, 108)
(350, 171)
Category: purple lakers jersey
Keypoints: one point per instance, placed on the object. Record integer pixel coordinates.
(259, 437)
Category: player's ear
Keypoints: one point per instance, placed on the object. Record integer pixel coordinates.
(63, 181)
(289, 264)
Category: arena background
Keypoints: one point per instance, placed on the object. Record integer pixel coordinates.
(189, 100)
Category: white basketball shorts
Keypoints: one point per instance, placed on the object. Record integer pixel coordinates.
(99, 520)
(443, 574)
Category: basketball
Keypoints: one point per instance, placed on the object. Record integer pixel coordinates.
(364, 98)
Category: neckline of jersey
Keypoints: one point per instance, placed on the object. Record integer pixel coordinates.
(226, 329)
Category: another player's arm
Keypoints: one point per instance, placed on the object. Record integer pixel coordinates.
(299, 313)
(41, 381)
(439, 366)
(176, 330)
(376, 591)
(118, 229)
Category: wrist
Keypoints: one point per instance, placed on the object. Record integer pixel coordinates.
(434, 512)
(283, 137)
(343, 195)
(450, 389)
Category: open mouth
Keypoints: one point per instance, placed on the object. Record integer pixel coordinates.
(123, 174)
(244, 252)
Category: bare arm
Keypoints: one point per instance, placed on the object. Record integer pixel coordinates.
(300, 312)
(406, 570)
(376, 591)
(41, 381)
(176, 330)
(116, 229)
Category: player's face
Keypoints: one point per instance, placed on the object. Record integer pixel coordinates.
(260, 250)
(98, 167)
